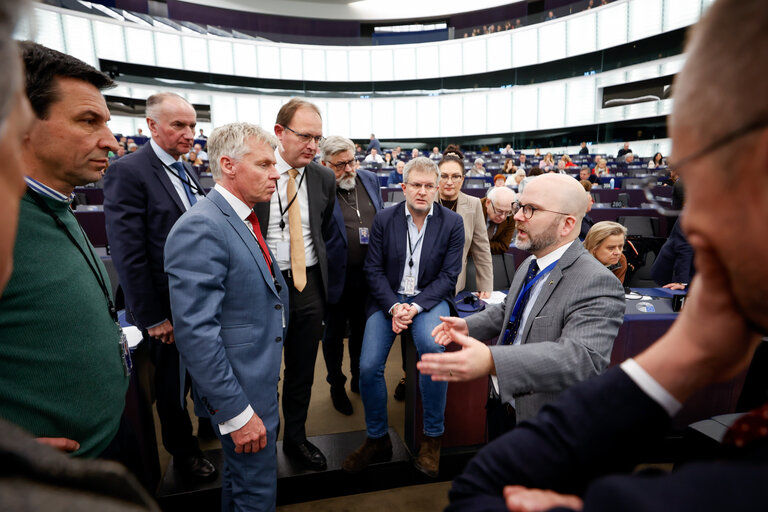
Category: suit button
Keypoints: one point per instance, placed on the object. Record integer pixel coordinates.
(278, 307)
(278, 339)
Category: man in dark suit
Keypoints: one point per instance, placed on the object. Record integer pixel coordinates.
(358, 198)
(579, 453)
(293, 223)
(229, 304)
(413, 261)
(144, 195)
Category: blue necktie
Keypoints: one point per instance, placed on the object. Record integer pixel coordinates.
(514, 324)
(179, 166)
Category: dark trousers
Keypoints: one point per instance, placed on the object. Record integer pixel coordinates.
(175, 425)
(124, 448)
(500, 418)
(350, 309)
(305, 328)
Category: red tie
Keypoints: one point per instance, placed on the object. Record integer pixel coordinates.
(257, 232)
(748, 428)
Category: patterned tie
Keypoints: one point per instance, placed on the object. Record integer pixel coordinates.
(179, 166)
(514, 324)
(298, 257)
(748, 428)
(257, 233)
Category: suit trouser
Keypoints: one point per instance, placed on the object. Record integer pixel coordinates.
(175, 425)
(350, 308)
(305, 328)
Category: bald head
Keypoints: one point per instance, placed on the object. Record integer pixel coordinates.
(564, 193)
(500, 199)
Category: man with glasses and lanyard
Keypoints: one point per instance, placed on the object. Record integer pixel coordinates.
(358, 199)
(413, 261)
(145, 193)
(557, 324)
(293, 223)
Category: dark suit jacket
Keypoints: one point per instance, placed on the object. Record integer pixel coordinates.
(440, 262)
(321, 192)
(140, 207)
(588, 442)
(674, 264)
(336, 237)
(504, 232)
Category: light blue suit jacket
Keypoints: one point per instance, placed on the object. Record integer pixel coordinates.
(229, 314)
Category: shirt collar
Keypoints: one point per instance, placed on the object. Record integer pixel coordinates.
(241, 209)
(555, 255)
(45, 190)
(408, 212)
(162, 154)
(282, 166)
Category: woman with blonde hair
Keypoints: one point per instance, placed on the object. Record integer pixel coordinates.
(605, 241)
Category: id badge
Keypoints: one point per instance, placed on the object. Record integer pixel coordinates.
(363, 236)
(283, 250)
(410, 285)
(125, 354)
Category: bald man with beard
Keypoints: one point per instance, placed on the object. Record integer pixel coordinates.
(557, 325)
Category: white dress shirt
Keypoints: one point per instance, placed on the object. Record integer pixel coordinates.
(178, 185)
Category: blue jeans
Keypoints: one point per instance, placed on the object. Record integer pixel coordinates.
(377, 342)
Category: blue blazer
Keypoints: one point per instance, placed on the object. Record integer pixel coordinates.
(440, 263)
(140, 208)
(336, 238)
(230, 316)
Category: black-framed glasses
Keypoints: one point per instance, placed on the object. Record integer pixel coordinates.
(673, 166)
(529, 209)
(306, 138)
(340, 166)
(428, 187)
(505, 213)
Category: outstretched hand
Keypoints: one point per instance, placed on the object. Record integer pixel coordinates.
(442, 333)
(522, 499)
(474, 360)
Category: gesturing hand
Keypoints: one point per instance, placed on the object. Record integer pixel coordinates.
(472, 361)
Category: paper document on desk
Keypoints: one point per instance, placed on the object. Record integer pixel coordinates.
(496, 298)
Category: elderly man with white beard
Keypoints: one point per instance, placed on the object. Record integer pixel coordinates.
(346, 241)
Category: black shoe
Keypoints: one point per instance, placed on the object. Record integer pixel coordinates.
(341, 401)
(354, 385)
(306, 454)
(400, 390)
(196, 467)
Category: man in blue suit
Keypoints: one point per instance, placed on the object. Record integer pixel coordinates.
(144, 195)
(413, 261)
(229, 303)
(358, 198)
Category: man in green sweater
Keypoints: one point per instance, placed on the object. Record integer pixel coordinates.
(62, 372)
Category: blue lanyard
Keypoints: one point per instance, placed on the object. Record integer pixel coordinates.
(516, 309)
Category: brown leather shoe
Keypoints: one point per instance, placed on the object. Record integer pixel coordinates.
(372, 450)
(428, 461)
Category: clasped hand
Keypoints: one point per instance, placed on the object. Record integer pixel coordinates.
(402, 317)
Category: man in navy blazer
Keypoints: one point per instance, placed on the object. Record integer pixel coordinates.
(358, 198)
(145, 193)
(579, 453)
(229, 304)
(413, 261)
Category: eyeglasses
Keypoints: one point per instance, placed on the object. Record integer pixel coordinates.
(428, 187)
(710, 148)
(305, 138)
(529, 209)
(451, 177)
(342, 165)
(505, 213)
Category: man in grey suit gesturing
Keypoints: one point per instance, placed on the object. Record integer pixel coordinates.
(229, 303)
(557, 324)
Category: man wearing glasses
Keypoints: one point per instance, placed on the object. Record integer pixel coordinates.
(293, 223)
(557, 324)
(497, 208)
(414, 258)
(358, 198)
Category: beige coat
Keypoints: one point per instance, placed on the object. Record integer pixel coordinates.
(476, 241)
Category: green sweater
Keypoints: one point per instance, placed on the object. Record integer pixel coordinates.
(61, 373)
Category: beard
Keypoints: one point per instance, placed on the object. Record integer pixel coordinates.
(539, 242)
(347, 182)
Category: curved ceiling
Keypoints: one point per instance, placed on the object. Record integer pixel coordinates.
(357, 10)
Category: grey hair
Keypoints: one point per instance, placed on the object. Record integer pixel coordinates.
(335, 144)
(480, 160)
(494, 191)
(10, 11)
(156, 100)
(423, 164)
(232, 140)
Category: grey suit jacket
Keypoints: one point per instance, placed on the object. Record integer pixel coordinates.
(568, 336)
(475, 240)
(321, 192)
